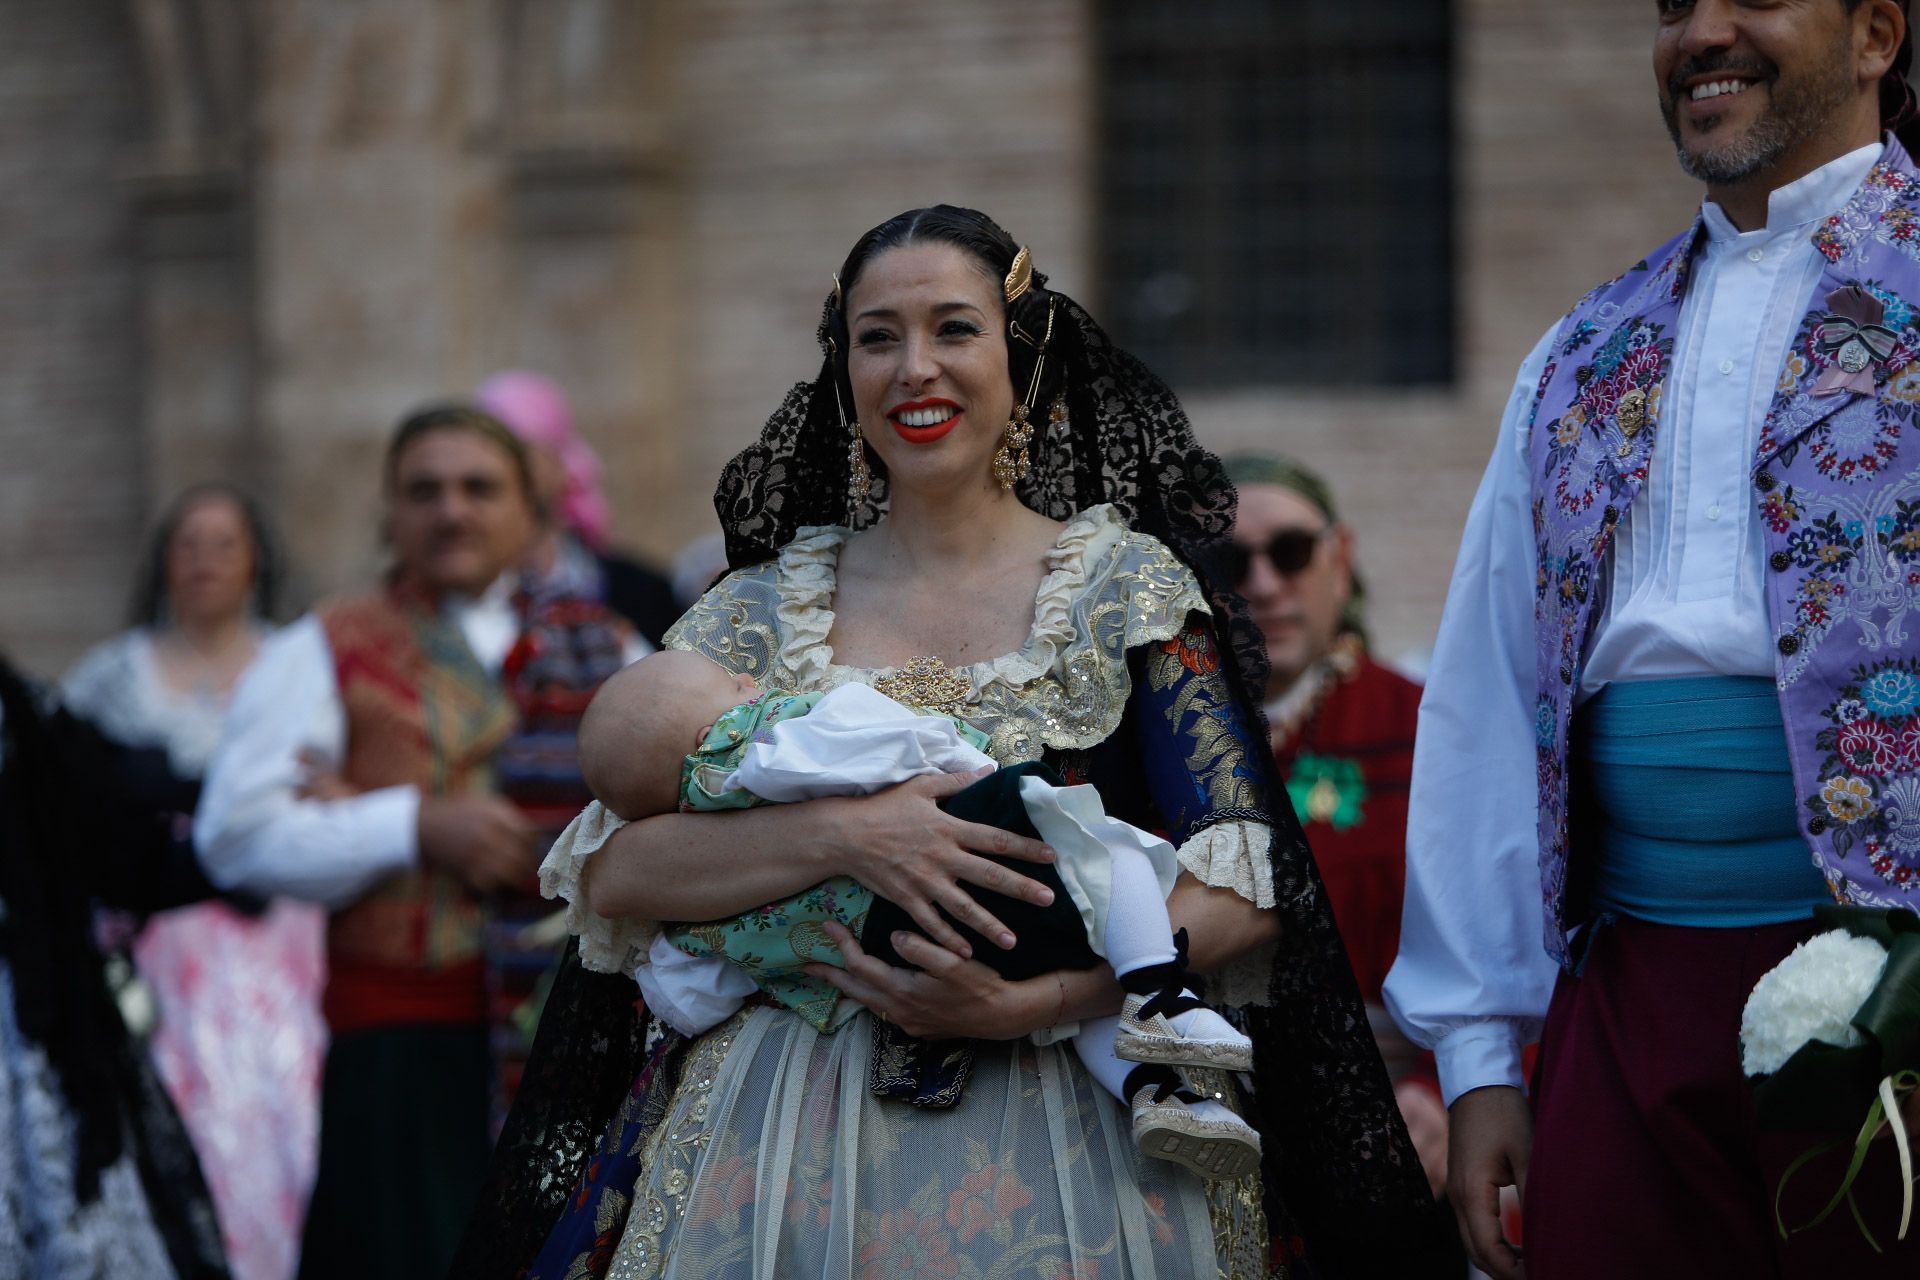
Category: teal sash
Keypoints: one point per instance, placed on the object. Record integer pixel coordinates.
(1694, 804)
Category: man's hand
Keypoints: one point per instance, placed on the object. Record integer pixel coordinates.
(1490, 1138)
(483, 840)
(323, 781)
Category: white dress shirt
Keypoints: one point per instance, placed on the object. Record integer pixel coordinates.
(254, 832)
(1682, 597)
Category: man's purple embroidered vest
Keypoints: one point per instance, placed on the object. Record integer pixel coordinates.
(1836, 477)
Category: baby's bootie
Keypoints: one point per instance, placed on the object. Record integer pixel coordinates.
(1163, 1021)
(1171, 1122)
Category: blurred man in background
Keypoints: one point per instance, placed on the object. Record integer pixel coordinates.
(398, 692)
(1342, 733)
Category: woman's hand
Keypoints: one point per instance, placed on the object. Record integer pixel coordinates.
(903, 846)
(951, 998)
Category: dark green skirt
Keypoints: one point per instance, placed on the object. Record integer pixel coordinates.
(403, 1152)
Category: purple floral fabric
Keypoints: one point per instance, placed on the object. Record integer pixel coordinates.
(1836, 479)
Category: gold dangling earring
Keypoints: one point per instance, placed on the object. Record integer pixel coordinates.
(860, 476)
(1010, 460)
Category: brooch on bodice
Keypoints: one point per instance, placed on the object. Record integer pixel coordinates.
(926, 682)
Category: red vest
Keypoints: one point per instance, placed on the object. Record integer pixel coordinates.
(420, 711)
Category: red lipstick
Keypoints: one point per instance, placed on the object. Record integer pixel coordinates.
(924, 435)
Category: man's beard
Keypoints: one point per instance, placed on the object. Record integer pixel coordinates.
(1796, 110)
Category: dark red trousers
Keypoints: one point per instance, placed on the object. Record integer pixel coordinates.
(1647, 1162)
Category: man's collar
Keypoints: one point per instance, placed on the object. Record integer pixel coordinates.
(497, 596)
(1803, 201)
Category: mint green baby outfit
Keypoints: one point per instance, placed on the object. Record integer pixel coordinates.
(773, 943)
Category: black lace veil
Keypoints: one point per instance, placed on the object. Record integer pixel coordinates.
(1339, 1162)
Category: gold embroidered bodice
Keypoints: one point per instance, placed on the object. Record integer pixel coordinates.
(1106, 590)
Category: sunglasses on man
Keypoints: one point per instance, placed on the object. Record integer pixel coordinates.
(1288, 551)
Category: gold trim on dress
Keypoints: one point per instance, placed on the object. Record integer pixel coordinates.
(926, 682)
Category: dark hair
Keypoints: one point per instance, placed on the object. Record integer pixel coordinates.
(150, 594)
(982, 239)
(460, 417)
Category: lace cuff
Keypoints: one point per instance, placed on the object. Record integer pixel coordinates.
(1233, 855)
(606, 946)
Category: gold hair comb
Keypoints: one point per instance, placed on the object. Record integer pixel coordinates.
(1020, 275)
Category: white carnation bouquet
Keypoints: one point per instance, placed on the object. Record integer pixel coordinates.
(1832, 1033)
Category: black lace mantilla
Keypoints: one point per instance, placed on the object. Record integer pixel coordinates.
(1339, 1163)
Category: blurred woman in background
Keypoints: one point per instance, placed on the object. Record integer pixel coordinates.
(238, 1037)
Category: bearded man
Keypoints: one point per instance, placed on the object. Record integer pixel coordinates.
(1690, 561)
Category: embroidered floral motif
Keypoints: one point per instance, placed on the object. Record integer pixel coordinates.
(1838, 505)
(1859, 553)
(1869, 778)
(905, 1245)
(1598, 443)
(1901, 229)
(986, 1200)
(1196, 651)
(1848, 799)
(1198, 711)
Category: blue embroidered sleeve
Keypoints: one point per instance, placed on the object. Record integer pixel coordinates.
(1197, 750)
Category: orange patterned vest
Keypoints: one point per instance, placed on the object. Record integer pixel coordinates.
(420, 710)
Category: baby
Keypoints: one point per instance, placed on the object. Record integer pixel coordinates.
(676, 731)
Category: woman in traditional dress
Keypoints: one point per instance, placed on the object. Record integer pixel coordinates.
(238, 1035)
(979, 505)
(98, 1180)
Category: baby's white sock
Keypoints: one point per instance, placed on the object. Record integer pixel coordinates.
(1094, 1044)
(1139, 934)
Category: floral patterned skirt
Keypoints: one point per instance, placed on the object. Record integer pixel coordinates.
(240, 1044)
(771, 1158)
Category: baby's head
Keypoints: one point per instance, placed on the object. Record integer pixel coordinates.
(645, 721)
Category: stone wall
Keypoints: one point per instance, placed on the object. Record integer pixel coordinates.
(71, 461)
(328, 211)
(804, 125)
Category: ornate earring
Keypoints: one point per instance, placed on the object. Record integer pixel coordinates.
(860, 477)
(1010, 460)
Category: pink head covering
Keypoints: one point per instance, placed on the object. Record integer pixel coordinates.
(536, 410)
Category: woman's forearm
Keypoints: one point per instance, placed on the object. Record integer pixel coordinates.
(708, 866)
(1221, 925)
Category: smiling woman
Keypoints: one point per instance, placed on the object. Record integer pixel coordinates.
(979, 503)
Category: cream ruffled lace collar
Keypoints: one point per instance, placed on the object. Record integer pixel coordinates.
(807, 573)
